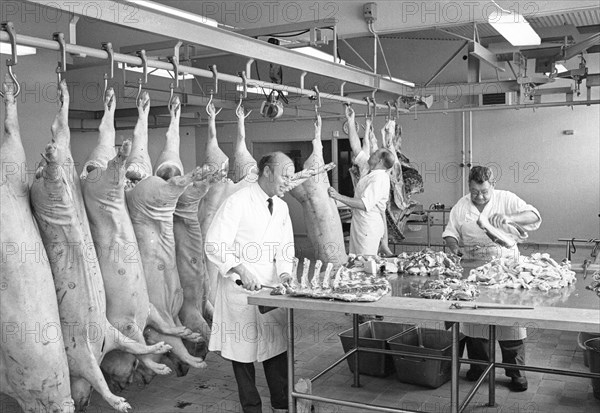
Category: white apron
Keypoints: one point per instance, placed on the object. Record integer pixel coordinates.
(478, 246)
(367, 227)
(239, 331)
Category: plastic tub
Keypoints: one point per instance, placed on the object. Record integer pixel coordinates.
(373, 334)
(418, 370)
(593, 348)
(582, 337)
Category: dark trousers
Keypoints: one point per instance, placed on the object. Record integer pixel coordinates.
(276, 375)
(513, 352)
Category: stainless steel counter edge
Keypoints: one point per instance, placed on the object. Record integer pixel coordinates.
(554, 318)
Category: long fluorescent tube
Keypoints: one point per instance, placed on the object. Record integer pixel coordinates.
(514, 28)
(175, 12)
(404, 82)
(311, 51)
(258, 90)
(156, 72)
(6, 48)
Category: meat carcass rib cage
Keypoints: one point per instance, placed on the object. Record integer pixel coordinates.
(349, 284)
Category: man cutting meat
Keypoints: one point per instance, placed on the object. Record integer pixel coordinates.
(502, 208)
(369, 201)
(251, 241)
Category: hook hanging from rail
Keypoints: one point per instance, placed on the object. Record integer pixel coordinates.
(12, 34)
(142, 81)
(215, 90)
(142, 55)
(174, 60)
(389, 105)
(317, 100)
(170, 104)
(61, 69)
(374, 105)
(107, 47)
(368, 112)
(244, 85)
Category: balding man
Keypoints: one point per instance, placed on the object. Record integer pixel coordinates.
(502, 208)
(251, 240)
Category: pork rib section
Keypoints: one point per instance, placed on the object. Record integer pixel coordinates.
(33, 370)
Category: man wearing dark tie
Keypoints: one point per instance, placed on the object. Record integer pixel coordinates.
(251, 240)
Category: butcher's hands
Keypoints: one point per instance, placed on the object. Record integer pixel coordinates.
(249, 281)
(498, 220)
(332, 192)
(285, 278)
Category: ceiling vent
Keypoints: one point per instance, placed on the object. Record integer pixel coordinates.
(507, 98)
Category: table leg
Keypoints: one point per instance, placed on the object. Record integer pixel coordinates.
(290, 360)
(492, 373)
(454, 371)
(355, 355)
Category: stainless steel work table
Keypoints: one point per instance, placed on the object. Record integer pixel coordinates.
(573, 309)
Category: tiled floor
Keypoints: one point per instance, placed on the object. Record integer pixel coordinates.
(213, 390)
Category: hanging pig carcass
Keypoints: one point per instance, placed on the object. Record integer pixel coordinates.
(127, 303)
(151, 201)
(65, 232)
(33, 368)
(320, 211)
(188, 237)
(216, 160)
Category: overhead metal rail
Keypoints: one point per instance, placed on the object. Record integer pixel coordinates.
(157, 64)
(220, 39)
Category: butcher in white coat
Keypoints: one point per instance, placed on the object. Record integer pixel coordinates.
(501, 207)
(251, 241)
(369, 201)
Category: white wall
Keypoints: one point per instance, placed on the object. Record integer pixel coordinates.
(558, 174)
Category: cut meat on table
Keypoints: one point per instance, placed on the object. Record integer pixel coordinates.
(539, 271)
(348, 284)
(34, 372)
(430, 263)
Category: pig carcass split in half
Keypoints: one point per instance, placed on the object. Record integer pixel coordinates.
(320, 211)
(58, 208)
(33, 370)
(127, 304)
(151, 201)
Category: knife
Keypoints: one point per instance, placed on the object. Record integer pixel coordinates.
(240, 283)
(459, 306)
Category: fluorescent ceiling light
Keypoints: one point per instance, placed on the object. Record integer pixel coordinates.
(404, 82)
(311, 51)
(258, 90)
(514, 28)
(174, 12)
(6, 48)
(156, 72)
(560, 67)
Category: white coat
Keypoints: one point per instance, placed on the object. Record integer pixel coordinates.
(462, 225)
(243, 231)
(367, 227)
